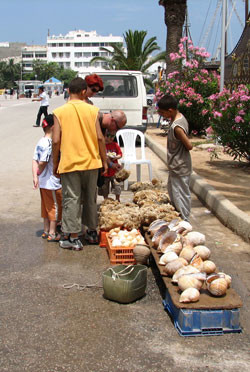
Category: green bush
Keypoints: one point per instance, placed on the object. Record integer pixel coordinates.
(230, 118)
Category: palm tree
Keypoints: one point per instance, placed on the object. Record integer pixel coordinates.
(9, 73)
(136, 56)
(175, 12)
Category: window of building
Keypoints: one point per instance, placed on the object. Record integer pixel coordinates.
(53, 44)
(101, 44)
(95, 44)
(78, 54)
(53, 55)
(246, 63)
(86, 44)
(67, 55)
(28, 55)
(78, 64)
(86, 64)
(60, 64)
(77, 45)
(79, 35)
(67, 64)
(87, 54)
(95, 54)
(67, 44)
(60, 44)
(40, 55)
(60, 55)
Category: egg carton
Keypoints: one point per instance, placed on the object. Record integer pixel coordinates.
(194, 322)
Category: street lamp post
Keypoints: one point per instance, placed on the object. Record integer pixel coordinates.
(223, 44)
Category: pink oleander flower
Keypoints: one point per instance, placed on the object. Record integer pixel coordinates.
(244, 98)
(217, 114)
(209, 130)
(204, 112)
(241, 112)
(238, 119)
(206, 55)
(194, 132)
(173, 56)
(172, 74)
(213, 97)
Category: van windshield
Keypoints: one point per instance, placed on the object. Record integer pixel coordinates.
(118, 86)
(29, 87)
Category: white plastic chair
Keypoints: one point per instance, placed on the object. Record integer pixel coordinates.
(129, 137)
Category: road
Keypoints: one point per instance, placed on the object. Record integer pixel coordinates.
(46, 328)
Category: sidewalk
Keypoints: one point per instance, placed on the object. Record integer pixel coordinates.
(230, 215)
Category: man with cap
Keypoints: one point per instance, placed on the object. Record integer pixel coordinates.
(44, 104)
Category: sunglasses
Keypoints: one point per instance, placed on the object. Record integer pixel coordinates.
(116, 123)
(94, 90)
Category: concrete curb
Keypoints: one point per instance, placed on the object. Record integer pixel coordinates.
(231, 216)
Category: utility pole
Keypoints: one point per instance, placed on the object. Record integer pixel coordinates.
(246, 10)
(223, 39)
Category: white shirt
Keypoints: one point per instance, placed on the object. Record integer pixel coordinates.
(45, 100)
(43, 152)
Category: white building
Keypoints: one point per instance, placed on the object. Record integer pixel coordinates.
(76, 49)
(31, 53)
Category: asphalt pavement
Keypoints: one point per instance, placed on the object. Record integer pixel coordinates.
(47, 328)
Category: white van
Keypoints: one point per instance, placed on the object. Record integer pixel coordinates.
(123, 90)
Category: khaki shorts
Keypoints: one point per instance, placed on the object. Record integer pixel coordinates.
(79, 187)
(51, 204)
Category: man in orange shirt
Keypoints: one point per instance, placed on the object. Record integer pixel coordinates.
(78, 152)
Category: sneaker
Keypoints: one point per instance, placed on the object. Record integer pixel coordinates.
(70, 243)
(91, 236)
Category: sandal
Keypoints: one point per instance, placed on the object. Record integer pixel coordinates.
(45, 235)
(53, 238)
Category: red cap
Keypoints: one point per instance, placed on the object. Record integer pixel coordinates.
(94, 79)
(44, 123)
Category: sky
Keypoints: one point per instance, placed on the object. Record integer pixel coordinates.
(29, 20)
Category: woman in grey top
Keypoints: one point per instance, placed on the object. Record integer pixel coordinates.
(178, 156)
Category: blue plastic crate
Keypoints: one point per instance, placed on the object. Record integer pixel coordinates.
(192, 322)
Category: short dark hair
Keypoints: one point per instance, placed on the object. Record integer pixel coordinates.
(48, 122)
(77, 85)
(167, 102)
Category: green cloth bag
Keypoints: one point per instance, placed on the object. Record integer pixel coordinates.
(124, 283)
